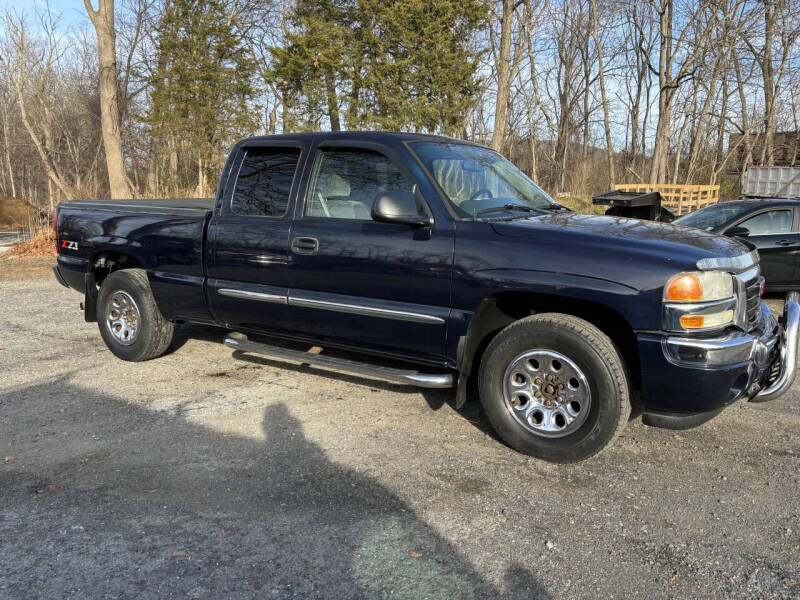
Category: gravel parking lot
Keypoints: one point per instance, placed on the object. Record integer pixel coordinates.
(200, 476)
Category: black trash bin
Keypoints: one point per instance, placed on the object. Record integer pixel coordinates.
(636, 205)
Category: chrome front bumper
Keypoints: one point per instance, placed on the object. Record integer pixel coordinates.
(772, 345)
(787, 351)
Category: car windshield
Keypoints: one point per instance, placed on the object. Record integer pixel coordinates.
(710, 218)
(479, 182)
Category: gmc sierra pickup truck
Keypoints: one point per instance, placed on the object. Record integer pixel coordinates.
(442, 257)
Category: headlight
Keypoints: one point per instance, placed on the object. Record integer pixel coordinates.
(700, 300)
(700, 286)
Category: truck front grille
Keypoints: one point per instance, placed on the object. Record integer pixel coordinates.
(753, 290)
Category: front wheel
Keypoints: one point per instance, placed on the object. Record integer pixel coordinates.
(130, 323)
(554, 386)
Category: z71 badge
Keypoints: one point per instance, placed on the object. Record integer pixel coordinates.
(69, 245)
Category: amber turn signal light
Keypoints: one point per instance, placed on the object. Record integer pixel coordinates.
(692, 321)
(686, 288)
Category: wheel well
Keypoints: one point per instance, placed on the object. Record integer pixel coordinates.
(500, 310)
(105, 263)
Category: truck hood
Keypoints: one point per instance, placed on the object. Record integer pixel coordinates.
(678, 246)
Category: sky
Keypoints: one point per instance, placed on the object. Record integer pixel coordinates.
(72, 11)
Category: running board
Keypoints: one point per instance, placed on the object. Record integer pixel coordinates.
(240, 342)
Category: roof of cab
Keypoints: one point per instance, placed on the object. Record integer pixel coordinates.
(366, 136)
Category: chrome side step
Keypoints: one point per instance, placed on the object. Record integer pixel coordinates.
(240, 342)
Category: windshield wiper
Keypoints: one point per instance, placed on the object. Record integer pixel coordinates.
(509, 206)
(555, 206)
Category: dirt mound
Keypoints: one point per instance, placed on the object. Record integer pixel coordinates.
(15, 212)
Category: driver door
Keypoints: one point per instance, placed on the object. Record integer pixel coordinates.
(360, 282)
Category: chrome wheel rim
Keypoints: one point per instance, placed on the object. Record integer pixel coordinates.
(546, 393)
(122, 317)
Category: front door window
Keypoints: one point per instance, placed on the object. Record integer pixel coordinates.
(346, 181)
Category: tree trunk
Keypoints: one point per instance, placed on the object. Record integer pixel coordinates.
(103, 21)
(8, 153)
(603, 97)
(721, 157)
(768, 71)
(333, 102)
(748, 143)
(532, 143)
(201, 178)
(663, 126)
(679, 148)
(503, 80)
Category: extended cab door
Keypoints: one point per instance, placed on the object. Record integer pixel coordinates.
(248, 250)
(365, 283)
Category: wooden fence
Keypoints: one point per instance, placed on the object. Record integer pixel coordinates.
(680, 199)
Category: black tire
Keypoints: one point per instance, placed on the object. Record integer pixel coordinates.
(598, 360)
(154, 332)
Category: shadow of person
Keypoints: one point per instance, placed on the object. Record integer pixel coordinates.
(119, 500)
(435, 398)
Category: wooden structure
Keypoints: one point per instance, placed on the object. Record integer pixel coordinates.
(679, 199)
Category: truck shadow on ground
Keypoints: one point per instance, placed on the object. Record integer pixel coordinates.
(434, 398)
(113, 499)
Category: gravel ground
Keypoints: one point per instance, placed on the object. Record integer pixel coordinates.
(200, 476)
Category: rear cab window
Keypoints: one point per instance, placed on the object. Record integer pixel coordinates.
(264, 182)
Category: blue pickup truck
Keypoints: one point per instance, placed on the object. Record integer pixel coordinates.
(441, 265)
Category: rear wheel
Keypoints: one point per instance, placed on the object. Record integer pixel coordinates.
(554, 386)
(130, 323)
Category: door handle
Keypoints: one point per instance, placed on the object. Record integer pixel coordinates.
(784, 243)
(305, 245)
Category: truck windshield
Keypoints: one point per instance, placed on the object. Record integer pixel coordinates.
(710, 218)
(480, 183)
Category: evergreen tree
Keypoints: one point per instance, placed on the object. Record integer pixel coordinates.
(314, 61)
(420, 69)
(202, 88)
(385, 64)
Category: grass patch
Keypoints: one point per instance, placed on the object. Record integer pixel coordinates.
(582, 204)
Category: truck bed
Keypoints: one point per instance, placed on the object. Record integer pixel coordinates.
(177, 206)
(165, 237)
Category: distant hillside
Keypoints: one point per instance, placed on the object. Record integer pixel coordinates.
(15, 212)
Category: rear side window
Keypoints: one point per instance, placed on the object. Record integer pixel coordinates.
(265, 181)
(774, 221)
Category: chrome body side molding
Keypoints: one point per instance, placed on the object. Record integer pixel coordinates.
(364, 310)
(346, 305)
(246, 295)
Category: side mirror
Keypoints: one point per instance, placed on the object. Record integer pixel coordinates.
(399, 207)
(738, 232)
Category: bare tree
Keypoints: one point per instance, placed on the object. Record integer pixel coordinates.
(31, 68)
(780, 31)
(603, 96)
(677, 61)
